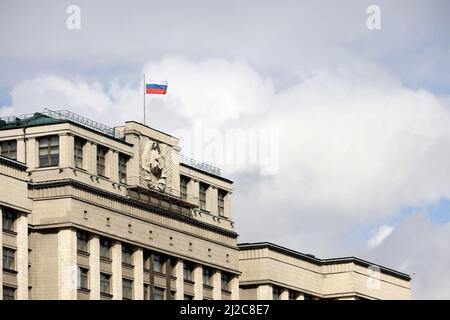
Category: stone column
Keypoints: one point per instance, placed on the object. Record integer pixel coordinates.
(198, 282)
(217, 285)
(91, 157)
(211, 202)
(179, 284)
(284, 295)
(32, 154)
(234, 287)
(94, 267)
(264, 292)
(1, 254)
(67, 266)
(22, 256)
(21, 150)
(300, 296)
(227, 205)
(71, 150)
(195, 189)
(116, 255)
(64, 150)
(138, 274)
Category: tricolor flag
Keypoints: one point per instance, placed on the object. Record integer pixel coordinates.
(156, 87)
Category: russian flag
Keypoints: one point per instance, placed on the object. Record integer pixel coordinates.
(156, 87)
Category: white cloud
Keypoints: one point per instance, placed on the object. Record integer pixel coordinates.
(380, 235)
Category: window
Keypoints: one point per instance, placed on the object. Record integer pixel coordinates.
(202, 195)
(101, 156)
(221, 202)
(127, 289)
(105, 248)
(293, 295)
(82, 241)
(206, 276)
(9, 149)
(183, 187)
(225, 279)
(126, 254)
(188, 297)
(158, 294)
(105, 283)
(49, 151)
(9, 293)
(187, 271)
(8, 219)
(146, 291)
(276, 293)
(9, 259)
(78, 152)
(157, 263)
(308, 297)
(123, 168)
(83, 280)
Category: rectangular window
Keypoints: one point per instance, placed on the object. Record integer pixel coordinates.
(123, 168)
(157, 263)
(221, 201)
(49, 151)
(8, 149)
(105, 283)
(9, 293)
(126, 254)
(187, 271)
(8, 219)
(202, 195)
(293, 295)
(188, 297)
(206, 276)
(225, 279)
(78, 152)
(9, 259)
(105, 248)
(183, 187)
(146, 292)
(276, 293)
(101, 160)
(127, 289)
(82, 242)
(158, 294)
(83, 279)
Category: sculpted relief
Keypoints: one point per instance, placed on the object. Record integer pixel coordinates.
(155, 165)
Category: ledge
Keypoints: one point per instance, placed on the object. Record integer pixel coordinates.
(10, 271)
(9, 232)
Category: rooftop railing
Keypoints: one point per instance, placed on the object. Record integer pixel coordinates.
(200, 165)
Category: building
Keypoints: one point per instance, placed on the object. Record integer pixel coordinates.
(93, 212)
(271, 272)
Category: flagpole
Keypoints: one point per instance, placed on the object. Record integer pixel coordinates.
(144, 96)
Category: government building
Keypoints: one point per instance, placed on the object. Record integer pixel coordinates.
(94, 212)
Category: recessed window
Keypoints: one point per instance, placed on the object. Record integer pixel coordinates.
(202, 195)
(225, 279)
(187, 271)
(8, 219)
(105, 248)
(188, 297)
(8, 149)
(9, 293)
(105, 283)
(157, 263)
(49, 151)
(101, 160)
(221, 201)
(127, 252)
(184, 181)
(158, 294)
(206, 276)
(83, 278)
(293, 295)
(82, 241)
(276, 292)
(78, 152)
(127, 289)
(9, 258)
(123, 159)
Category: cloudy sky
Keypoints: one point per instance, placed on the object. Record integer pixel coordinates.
(337, 136)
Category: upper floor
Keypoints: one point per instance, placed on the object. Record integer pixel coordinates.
(131, 160)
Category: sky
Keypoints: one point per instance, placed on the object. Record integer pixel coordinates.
(336, 133)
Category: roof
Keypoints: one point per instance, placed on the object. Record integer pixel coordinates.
(318, 261)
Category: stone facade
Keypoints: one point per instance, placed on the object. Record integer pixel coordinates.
(90, 212)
